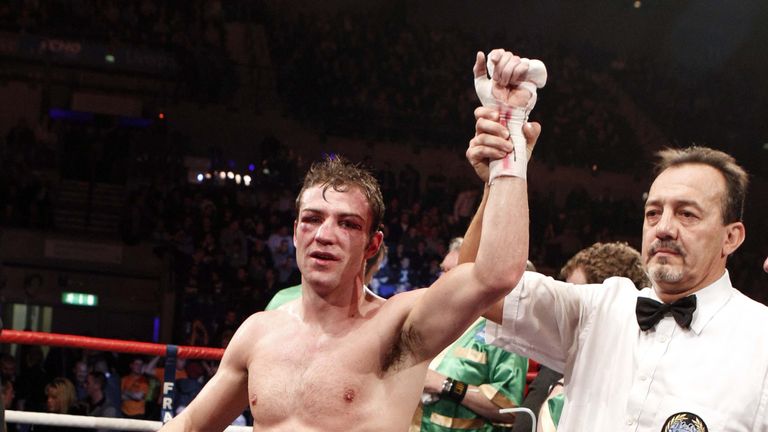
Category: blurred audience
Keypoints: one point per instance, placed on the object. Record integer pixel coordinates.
(60, 399)
(96, 401)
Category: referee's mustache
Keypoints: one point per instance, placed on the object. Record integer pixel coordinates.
(668, 245)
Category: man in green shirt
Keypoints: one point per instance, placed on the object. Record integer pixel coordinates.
(495, 379)
(284, 296)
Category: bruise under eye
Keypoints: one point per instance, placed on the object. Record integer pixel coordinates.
(309, 218)
(350, 224)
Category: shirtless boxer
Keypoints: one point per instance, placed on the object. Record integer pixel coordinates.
(337, 359)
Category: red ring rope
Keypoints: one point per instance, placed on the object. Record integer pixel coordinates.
(101, 344)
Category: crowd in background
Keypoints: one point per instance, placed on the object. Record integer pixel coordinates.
(191, 31)
(95, 383)
(377, 74)
(371, 75)
(689, 106)
(367, 76)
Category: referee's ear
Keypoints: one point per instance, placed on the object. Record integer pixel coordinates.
(735, 233)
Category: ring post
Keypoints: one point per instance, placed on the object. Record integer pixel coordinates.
(169, 382)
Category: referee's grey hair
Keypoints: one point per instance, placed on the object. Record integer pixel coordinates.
(736, 178)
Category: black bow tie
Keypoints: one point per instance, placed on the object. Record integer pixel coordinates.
(650, 312)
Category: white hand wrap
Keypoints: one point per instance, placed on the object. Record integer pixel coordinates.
(514, 118)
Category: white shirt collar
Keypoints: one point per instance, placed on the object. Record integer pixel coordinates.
(709, 300)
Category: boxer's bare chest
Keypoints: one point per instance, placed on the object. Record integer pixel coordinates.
(309, 373)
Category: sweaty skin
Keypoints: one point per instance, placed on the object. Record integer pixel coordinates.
(326, 378)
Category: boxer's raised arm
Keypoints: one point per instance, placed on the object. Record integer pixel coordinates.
(461, 295)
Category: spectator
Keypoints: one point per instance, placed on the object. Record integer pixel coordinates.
(30, 388)
(199, 334)
(280, 238)
(134, 387)
(495, 379)
(187, 388)
(80, 375)
(60, 399)
(8, 396)
(97, 404)
(113, 391)
(8, 366)
(227, 326)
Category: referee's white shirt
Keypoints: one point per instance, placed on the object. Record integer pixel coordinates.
(619, 378)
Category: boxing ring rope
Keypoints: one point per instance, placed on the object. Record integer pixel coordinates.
(101, 344)
(66, 420)
(115, 345)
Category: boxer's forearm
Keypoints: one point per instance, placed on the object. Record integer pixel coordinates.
(503, 249)
(468, 251)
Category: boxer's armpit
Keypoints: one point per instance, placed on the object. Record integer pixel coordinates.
(405, 345)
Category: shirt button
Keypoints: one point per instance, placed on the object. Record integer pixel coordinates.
(663, 339)
(630, 421)
(643, 377)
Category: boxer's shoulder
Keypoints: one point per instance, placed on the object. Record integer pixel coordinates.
(403, 301)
